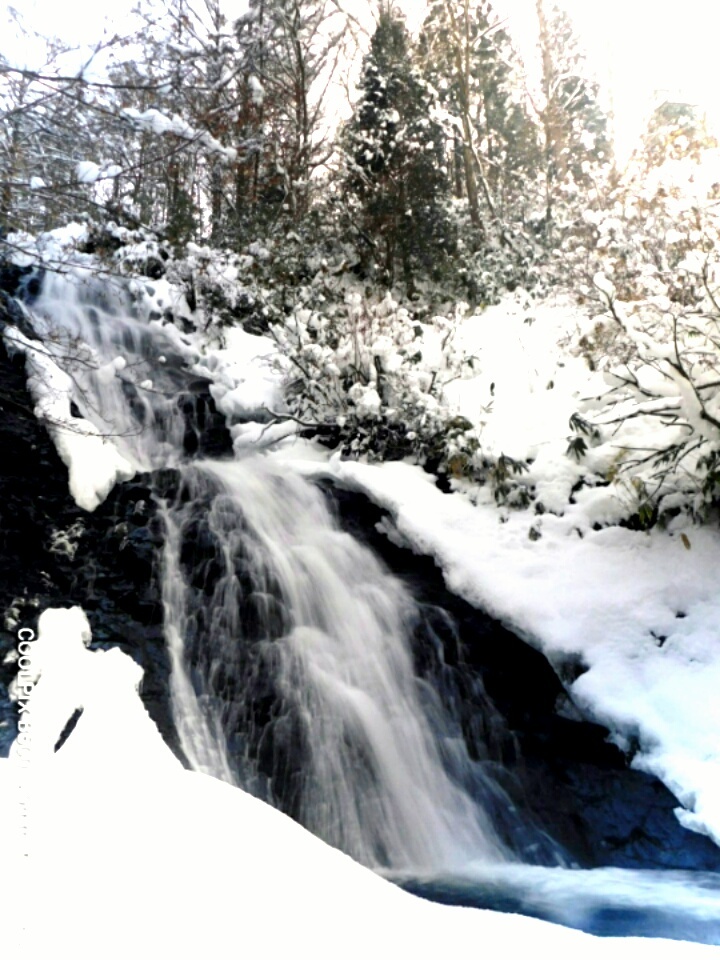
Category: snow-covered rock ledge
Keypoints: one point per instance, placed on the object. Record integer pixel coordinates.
(641, 610)
(126, 854)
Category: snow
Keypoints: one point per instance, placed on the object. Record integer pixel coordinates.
(606, 596)
(113, 850)
(155, 121)
(640, 609)
(87, 172)
(257, 91)
(50, 249)
(366, 399)
(246, 375)
(94, 463)
(605, 286)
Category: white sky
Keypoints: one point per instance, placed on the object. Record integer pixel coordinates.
(637, 47)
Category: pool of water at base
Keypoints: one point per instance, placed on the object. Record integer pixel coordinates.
(606, 902)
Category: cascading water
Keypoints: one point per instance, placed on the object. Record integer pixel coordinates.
(105, 335)
(285, 599)
(293, 673)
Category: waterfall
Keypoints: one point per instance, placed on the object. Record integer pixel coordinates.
(292, 671)
(302, 670)
(126, 366)
(276, 602)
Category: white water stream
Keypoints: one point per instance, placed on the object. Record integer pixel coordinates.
(335, 625)
(292, 668)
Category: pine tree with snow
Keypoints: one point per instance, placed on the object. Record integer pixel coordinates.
(470, 59)
(575, 126)
(395, 152)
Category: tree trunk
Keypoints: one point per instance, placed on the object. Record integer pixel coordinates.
(555, 157)
(461, 54)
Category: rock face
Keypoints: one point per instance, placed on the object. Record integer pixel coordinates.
(52, 553)
(570, 781)
(564, 776)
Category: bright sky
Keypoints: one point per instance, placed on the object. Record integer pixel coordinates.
(637, 47)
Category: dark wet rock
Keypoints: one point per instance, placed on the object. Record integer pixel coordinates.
(561, 770)
(53, 554)
(12, 314)
(265, 736)
(206, 432)
(16, 280)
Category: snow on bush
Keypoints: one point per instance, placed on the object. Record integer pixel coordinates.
(369, 376)
(656, 338)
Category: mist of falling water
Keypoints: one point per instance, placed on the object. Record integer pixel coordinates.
(292, 669)
(331, 626)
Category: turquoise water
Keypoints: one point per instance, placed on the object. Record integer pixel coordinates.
(607, 902)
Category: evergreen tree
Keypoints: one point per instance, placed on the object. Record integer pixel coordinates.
(471, 60)
(575, 126)
(395, 150)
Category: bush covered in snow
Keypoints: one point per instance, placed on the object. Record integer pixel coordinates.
(656, 335)
(371, 377)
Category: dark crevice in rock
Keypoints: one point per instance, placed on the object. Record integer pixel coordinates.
(12, 314)
(19, 281)
(573, 782)
(68, 728)
(206, 432)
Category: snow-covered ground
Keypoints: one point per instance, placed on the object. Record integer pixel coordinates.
(118, 830)
(640, 609)
(123, 853)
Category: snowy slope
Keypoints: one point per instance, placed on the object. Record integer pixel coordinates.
(125, 854)
(640, 609)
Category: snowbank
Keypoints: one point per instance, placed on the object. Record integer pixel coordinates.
(129, 855)
(641, 610)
